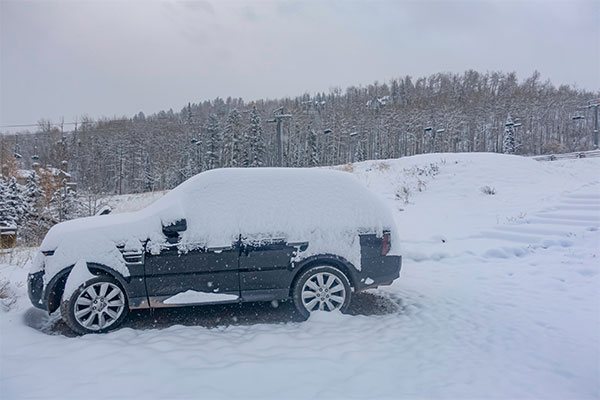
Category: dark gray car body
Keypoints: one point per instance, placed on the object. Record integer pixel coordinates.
(259, 271)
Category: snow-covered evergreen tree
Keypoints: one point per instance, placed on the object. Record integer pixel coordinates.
(256, 140)
(36, 223)
(360, 154)
(33, 195)
(7, 213)
(148, 176)
(213, 142)
(313, 150)
(15, 204)
(509, 145)
(232, 139)
(65, 205)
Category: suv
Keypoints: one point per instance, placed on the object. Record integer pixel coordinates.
(226, 235)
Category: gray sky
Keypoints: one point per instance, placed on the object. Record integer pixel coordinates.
(67, 58)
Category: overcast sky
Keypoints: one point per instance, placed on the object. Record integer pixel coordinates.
(67, 58)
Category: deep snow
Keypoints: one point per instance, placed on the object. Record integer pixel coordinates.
(498, 298)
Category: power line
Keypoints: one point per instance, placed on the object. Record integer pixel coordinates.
(26, 125)
(151, 118)
(56, 123)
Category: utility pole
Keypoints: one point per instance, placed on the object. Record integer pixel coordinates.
(433, 135)
(278, 117)
(595, 103)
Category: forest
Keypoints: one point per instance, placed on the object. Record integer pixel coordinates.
(445, 112)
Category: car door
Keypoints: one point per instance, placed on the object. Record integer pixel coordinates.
(204, 275)
(265, 269)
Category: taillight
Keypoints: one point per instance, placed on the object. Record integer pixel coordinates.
(387, 243)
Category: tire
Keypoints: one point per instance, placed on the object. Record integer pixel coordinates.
(81, 314)
(312, 290)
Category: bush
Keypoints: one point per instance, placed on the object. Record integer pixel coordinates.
(488, 190)
(403, 194)
(8, 297)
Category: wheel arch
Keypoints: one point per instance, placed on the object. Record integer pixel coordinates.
(345, 266)
(56, 286)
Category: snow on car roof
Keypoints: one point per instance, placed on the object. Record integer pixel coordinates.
(221, 204)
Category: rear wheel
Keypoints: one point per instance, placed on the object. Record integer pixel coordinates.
(98, 306)
(322, 288)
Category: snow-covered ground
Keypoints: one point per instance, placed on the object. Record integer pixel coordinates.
(499, 297)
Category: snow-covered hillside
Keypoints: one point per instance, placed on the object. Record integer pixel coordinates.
(132, 202)
(498, 297)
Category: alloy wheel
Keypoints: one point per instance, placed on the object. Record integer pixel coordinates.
(323, 291)
(99, 306)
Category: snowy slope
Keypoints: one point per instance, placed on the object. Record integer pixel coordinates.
(533, 206)
(498, 298)
(132, 202)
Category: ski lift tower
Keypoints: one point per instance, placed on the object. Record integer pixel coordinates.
(594, 103)
(590, 104)
(278, 116)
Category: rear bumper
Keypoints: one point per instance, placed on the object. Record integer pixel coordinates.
(378, 271)
(35, 290)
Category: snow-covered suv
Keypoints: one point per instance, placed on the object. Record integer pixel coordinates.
(226, 235)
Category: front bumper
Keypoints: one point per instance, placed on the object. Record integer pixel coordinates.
(35, 290)
(378, 271)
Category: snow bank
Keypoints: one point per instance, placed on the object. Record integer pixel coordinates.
(322, 207)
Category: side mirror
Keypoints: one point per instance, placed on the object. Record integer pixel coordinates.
(174, 229)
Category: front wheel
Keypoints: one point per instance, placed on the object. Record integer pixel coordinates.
(322, 288)
(97, 306)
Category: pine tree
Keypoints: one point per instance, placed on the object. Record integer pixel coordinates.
(35, 224)
(65, 205)
(7, 213)
(33, 196)
(256, 143)
(313, 150)
(359, 154)
(509, 143)
(213, 145)
(15, 203)
(232, 139)
(187, 166)
(148, 177)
